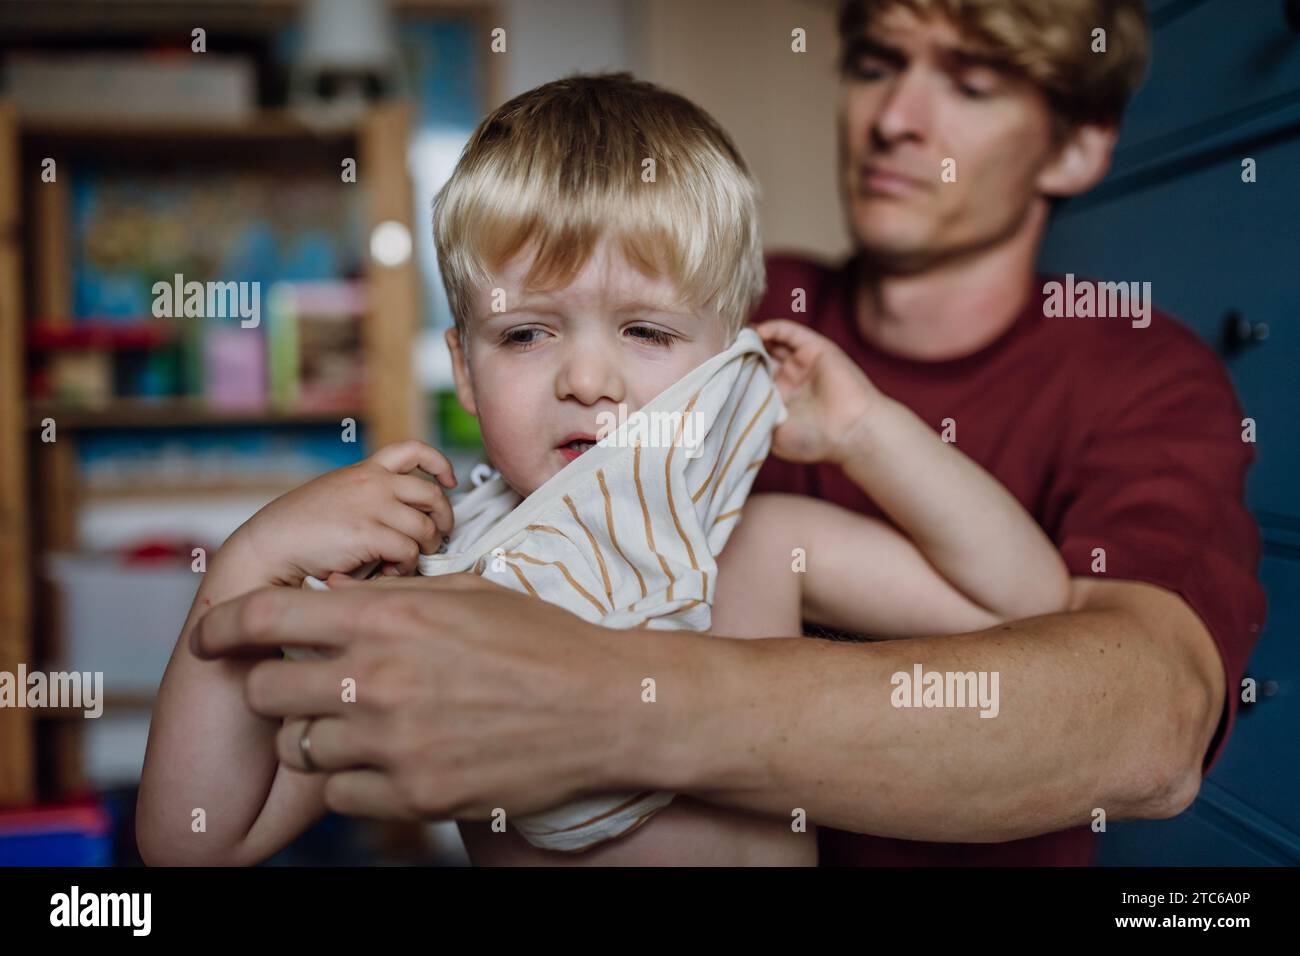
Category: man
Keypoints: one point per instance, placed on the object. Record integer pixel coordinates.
(960, 123)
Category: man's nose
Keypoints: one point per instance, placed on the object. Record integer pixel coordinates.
(906, 110)
(591, 372)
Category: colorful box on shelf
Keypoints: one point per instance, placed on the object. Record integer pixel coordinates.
(89, 362)
(73, 835)
(314, 345)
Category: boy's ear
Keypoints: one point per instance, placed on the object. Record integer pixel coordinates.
(460, 372)
(1081, 160)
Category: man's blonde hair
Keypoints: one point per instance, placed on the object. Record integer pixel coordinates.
(1049, 42)
(566, 162)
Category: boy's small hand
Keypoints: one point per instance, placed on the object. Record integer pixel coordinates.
(374, 511)
(827, 396)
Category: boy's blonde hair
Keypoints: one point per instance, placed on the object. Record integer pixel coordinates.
(1049, 42)
(566, 162)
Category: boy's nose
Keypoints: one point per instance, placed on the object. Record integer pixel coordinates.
(590, 374)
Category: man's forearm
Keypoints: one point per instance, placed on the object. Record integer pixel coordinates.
(1107, 706)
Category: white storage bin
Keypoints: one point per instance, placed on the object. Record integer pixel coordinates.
(121, 619)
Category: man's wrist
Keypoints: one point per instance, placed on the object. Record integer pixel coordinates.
(680, 739)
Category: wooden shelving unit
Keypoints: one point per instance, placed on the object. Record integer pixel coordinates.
(39, 490)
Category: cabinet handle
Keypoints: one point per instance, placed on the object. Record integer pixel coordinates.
(1237, 332)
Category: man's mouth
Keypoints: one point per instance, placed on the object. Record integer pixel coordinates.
(575, 445)
(879, 181)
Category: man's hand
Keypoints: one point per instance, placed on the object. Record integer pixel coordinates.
(459, 708)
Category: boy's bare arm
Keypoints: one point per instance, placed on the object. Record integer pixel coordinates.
(207, 749)
(965, 523)
(834, 568)
(969, 528)
(209, 752)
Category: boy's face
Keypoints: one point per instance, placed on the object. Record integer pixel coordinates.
(915, 94)
(538, 374)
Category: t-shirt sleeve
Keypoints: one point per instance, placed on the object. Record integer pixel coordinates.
(1158, 486)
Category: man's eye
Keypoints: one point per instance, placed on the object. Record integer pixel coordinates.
(866, 69)
(649, 333)
(976, 89)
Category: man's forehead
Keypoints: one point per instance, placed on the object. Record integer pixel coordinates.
(907, 31)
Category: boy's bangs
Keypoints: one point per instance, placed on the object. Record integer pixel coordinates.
(656, 235)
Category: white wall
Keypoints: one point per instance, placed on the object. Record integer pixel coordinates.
(549, 38)
(733, 58)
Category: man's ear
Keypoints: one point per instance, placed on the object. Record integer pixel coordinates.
(1081, 160)
(460, 372)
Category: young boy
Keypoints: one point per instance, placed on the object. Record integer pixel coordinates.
(599, 244)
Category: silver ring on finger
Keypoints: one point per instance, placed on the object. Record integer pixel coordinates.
(304, 747)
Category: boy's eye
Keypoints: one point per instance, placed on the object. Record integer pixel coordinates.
(522, 337)
(648, 333)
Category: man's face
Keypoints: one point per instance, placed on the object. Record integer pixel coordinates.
(539, 374)
(914, 94)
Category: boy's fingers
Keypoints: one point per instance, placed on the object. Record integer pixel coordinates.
(786, 339)
(415, 524)
(782, 331)
(427, 497)
(404, 456)
(435, 582)
(395, 547)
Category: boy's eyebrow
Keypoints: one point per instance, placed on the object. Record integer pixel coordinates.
(545, 303)
(639, 306)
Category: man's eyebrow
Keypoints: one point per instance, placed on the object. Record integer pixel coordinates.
(867, 45)
(965, 58)
(952, 57)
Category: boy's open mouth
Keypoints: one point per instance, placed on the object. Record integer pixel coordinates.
(574, 445)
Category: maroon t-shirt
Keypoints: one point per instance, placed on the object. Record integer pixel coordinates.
(1114, 437)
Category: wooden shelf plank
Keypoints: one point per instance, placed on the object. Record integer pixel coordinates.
(130, 703)
(180, 413)
(262, 126)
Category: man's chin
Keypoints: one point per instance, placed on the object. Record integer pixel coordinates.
(898, 258)
(894, 237)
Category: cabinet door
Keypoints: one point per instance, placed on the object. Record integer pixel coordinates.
(1260, 766)
(1248, 812)
(1212, 245)
(1215, 64)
